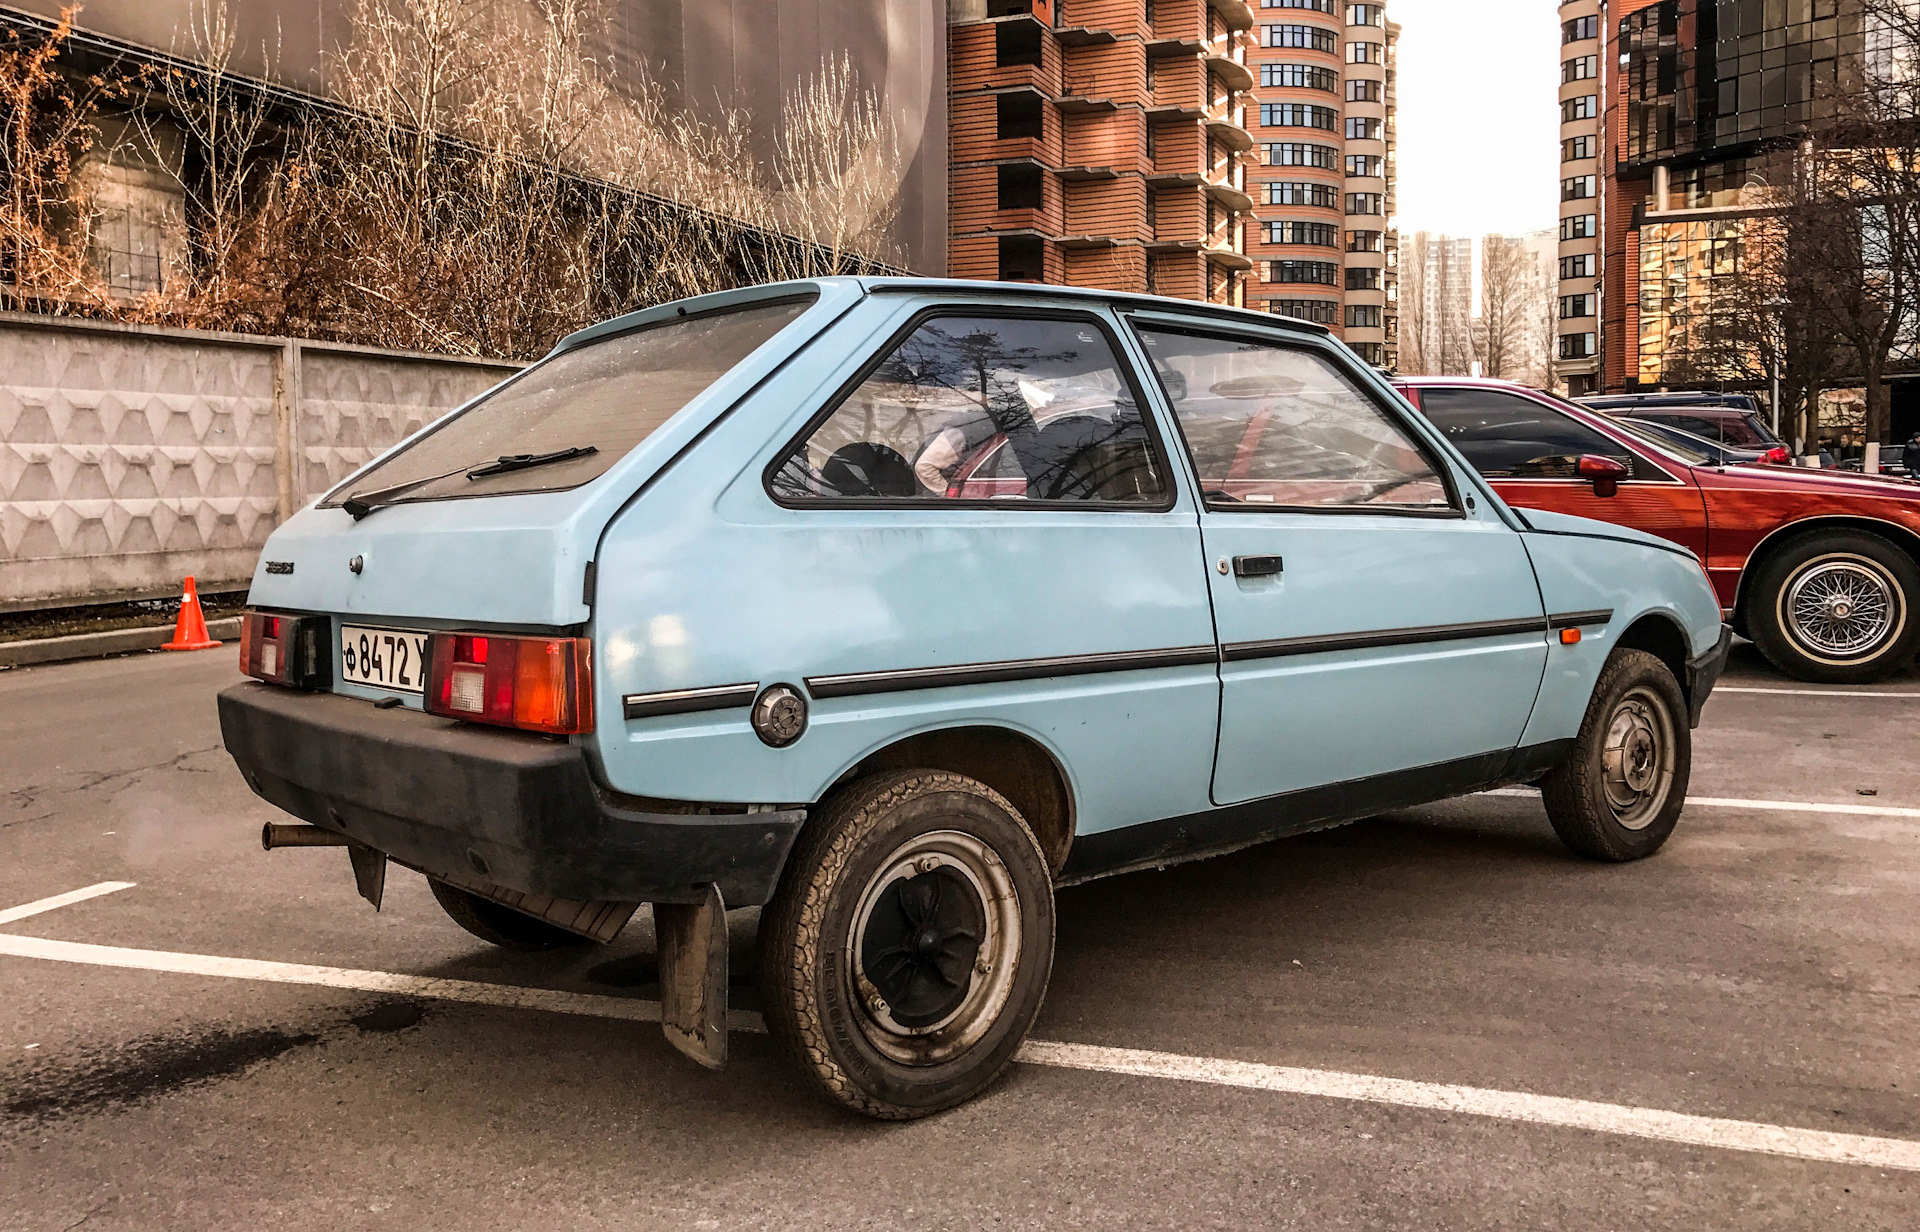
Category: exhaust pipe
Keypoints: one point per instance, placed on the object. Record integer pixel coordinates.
(272, 836)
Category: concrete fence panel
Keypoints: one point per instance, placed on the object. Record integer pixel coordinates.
(132, 456)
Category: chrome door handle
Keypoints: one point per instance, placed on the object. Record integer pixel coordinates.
(1256, 566)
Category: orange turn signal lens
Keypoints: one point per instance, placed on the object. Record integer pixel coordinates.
(1569, 636)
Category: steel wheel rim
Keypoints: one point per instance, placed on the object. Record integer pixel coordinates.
(1841, 607)
(1637, 758)
(951, 859)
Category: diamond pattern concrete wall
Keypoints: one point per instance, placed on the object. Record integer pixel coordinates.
(130, 458)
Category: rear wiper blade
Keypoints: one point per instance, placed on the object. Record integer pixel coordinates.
(360, 504)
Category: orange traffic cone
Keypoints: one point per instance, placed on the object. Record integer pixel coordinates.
(190, 629)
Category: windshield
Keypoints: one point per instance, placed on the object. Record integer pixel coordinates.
(600, 399)
(1667, 442)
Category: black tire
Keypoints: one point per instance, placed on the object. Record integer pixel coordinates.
(889, 862)
(500, 925)
(1869, 582)
(1624, 810)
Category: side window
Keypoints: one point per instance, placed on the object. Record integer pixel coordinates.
(1506, 436)
(984, 408)
(1275, 425)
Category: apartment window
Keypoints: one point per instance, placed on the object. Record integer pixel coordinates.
(1019, 186)
(1016, 115)
(1579, 28)
(1298, 115)
(1363, 90)
(1299, 192)
(1366, 241)
(1322, 272)
(1312, 38)
(1363, 316)
(1580, 68)
(1577, 188)
(1324, 311)
(1575, 148)
(1366, 53)
(1576, 346)
(1572, 306)
(1365, 15)
(1318, 6)
(1365, 203)
(1584, 107)
(1022, 259)
(1578, 227)
(1300, 154)
(1299, 76)
(1370, 352)
(1363, 277)
(1016, 43)
(1320, 234)
(1363, 128)
(1579, 265)
(1365, 165)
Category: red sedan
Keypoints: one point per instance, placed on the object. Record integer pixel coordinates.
(1821, 569)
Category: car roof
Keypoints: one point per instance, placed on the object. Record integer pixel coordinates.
(1674, 398)
(1479, 382)
(1123, 299)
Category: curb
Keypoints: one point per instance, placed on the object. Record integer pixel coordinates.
(101, 645)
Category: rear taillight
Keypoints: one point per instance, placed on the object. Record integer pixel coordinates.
(1777, 456)
(542, 684)
(289, 650)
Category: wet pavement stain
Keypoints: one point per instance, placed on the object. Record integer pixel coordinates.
(390, 1016)
(153, 1065)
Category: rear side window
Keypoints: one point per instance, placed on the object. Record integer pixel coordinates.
(977, 408)
(1280, 426)
(606, 396)
(1506, 436)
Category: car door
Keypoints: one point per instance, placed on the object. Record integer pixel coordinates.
(1529, 450)
(1371, 621)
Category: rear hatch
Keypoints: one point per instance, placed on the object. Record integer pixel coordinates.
(488, 518)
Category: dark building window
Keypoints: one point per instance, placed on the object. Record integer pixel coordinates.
(1016, 42)
(1324, 311)
(1365, 241)
(1017, 115)
(1321, 272)
(1022, 259)
(1578, 266)
(1576, 346)
(1300, 192)
(1366, 53)
(1299, 154)
(1365, 15)
(1365, 203)
(1363, 128)
(1363, 90)
(1363, 277)
(1577, 188)
(1577, 227)
(1579, 28)
(1299, 76)
(1322, 234)
(1572, 306)
(1370, 352)
(1312, 38)
(1584, 107)
(1365, 165)
(1580, 68)
(1019, 186)
(1574, 148)
(1318, 6)
(1363, 316)
(1298, 115)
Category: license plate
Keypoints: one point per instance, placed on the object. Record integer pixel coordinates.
(384, 658)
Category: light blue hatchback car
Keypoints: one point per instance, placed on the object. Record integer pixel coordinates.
(891, 605)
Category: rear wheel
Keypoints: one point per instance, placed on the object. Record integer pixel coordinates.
(1620, 791)
(906, 952)
(501, 926)
(1836, 608)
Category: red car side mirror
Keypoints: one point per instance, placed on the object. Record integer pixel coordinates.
(1605, 473)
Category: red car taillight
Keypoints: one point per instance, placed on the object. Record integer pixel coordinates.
(287, 650)
(542, 684)
(1777, 456)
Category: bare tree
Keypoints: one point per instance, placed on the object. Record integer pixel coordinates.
(1508, 293)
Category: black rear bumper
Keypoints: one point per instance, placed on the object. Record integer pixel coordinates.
(521, 811)
(1704, 672)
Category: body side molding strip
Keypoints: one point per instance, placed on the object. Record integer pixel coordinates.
(852, 684)
(1573, 620)
(1272, 648)
(686, 701)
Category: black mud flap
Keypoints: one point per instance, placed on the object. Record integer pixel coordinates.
(692, 940)
(369, 872)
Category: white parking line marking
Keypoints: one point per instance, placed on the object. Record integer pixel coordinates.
(1814, 1144)
(1779, 806)
(62, 900)
(1728, 688)
(1620, 1119)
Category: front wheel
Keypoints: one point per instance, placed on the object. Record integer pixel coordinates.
(906, 952)
(1620, 791)
(1836, 608)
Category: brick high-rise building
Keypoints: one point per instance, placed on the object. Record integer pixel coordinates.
(1576, 361)
(1101, 143)
(1322, 237)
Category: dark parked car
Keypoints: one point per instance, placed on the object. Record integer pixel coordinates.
(1738, 426)
(1716, 453)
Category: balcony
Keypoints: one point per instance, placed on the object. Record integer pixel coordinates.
(1236, 13)
(1232, 74)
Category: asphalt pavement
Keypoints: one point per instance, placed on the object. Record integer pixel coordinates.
(388, 1071)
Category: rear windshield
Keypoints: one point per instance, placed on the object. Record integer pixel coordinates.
(1673, 442)
(608, 395)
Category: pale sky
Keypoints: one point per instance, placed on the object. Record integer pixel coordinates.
(1479, 118)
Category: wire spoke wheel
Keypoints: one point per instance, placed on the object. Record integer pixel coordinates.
(934, 947)
(1637, 758)
(1840, 607)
